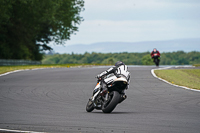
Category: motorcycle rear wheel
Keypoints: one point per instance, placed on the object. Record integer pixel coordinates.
(109, 105)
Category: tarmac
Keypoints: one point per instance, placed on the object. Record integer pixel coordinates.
(54, 100)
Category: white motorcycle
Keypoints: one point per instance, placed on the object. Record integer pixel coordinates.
(107, 100)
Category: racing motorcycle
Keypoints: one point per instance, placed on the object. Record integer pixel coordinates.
(107, 100)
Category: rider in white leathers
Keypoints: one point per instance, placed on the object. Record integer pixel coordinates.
(120, 69)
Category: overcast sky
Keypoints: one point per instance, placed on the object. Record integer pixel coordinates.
(137, 20)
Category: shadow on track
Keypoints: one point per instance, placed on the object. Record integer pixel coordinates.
(114, 113)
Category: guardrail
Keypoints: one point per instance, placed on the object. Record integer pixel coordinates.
(4, 62)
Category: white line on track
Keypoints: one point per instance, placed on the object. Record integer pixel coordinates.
(152, 72)
(18, 131)
(19, 71)
(4, 74)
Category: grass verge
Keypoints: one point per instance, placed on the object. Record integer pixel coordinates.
(196, 65)
(4, 69)
(182, 77)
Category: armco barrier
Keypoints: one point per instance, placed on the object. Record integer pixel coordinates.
(4, 62)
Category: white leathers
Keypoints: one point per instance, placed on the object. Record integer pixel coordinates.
(121, 70)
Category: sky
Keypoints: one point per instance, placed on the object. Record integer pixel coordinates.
(137, 21)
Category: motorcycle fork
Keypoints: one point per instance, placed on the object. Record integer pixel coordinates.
(106, 97)
(95, 95)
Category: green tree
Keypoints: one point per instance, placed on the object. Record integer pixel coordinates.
(109, 61)
(27, 26)
(147, 60)
(169, 58)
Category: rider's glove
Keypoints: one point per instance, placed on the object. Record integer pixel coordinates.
(98, 78)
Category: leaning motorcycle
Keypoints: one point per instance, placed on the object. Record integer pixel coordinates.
(107, 100)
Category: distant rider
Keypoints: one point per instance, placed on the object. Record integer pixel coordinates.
(155, 54)
(120, 69)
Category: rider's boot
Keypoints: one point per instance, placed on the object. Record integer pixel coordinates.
(122, 98)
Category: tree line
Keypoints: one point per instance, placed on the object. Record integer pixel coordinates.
(27, 26)
(167, 58)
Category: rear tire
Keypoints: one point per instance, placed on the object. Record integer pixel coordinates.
(90, 106)
(109, 105)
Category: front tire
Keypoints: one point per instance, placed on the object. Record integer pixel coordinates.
(90, 106)
(157, 62)
(109, 105)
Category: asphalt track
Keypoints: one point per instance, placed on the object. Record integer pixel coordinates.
(53, 100)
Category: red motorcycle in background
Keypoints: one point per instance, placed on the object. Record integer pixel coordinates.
(155, 55)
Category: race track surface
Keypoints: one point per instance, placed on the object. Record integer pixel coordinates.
(54, 100)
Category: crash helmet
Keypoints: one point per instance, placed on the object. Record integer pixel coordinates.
(119, 63)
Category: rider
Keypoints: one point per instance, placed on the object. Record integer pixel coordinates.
(155, 54)
(120, 69)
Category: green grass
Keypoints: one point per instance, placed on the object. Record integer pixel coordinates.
(183, 77)
(4, 69)
(196, 65)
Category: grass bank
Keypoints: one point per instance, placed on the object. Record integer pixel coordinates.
(183, 77)
(4, 69)
(196, 65)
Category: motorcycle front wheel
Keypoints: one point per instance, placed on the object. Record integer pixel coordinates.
(109, 105)
(90, 106)
(157, 62)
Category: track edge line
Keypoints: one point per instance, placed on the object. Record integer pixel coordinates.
(184, 87)
(18, 131)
